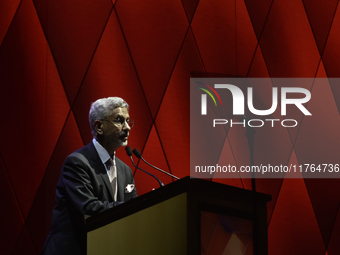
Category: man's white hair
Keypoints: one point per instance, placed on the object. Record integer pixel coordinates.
(103, 108)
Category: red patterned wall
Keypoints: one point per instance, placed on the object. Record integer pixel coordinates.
(58, 56)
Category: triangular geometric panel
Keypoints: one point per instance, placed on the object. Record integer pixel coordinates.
(258, 68)
(24, 244)
(58, 56)
(11, 220)
(201, 149)
(293, 228)
(40, 215)
(320, 14)
(325, 196)
(7, 12)
(258, 13)
(213, 30)
(24, 89)
(190, 8)
(334, 83)
(293, 112)
(240, 150)
(154, 33)
(227, 159)
(111, 74)
(57, 105)
(334, 244)
(174, 115)
(246, 40)
(209, 223)
(214, 238)
(74, 38)
(331, 54)
(154, 154)
(321, 71)
(287, 42)
(273, 186)
(319, 138)
(219, 241)
(336, 93)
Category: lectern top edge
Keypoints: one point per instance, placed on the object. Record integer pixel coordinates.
(198, 191)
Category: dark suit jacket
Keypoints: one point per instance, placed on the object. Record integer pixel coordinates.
(83, 189)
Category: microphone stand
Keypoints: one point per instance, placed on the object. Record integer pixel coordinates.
(129, 153)
(160, 183)
(159, 169)
(139, 155)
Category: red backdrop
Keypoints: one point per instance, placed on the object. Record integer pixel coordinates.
(58, 56)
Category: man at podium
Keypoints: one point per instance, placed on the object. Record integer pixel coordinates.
(92, 179)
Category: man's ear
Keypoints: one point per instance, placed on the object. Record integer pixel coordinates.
(98, 126)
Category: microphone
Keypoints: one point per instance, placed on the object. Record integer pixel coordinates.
(129, 153)
(139, 155)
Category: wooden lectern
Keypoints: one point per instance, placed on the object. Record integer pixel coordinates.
(183, 217)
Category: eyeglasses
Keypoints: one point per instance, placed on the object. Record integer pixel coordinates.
(119, 122)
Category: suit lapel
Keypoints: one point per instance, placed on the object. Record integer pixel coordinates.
(121, 180)
(100, 168)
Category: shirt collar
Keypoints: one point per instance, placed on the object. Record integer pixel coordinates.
(103, 154)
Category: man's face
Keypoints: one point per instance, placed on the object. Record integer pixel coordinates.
(116, 129)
